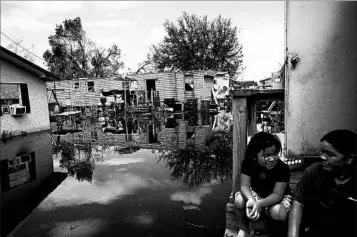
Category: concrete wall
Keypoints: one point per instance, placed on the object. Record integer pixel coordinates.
(321, 88)
(38, 118)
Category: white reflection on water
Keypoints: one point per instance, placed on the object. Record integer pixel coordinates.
(145, 219)
(87, 227)
(122, 161)
(190, 207)
(194, 198)
(71, 192)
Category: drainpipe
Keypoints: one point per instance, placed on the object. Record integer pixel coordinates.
(286, 75)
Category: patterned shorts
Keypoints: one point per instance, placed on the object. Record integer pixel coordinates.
(286, 202)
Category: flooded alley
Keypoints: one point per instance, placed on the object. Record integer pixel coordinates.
(154, 186)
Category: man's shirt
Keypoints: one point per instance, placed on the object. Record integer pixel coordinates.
(328, 211)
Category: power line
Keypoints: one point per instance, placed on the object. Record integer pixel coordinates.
(22, 47)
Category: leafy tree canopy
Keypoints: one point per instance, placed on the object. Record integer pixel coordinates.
(194, 43)
(74, 55)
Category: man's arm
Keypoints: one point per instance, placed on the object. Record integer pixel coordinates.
(295, 219)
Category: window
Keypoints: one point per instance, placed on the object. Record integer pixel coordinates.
(90, 85)
(76, 85)
(188, 82)
(11, 93)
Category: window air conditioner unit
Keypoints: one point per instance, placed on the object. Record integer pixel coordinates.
(17, 110)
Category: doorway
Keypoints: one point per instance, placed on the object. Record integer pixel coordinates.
(150, 86)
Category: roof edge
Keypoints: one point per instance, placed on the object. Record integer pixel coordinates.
(27, 65)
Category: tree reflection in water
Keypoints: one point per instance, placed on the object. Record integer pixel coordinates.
(79, 160)
(200, 166)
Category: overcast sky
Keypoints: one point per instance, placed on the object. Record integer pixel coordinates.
(135, 25)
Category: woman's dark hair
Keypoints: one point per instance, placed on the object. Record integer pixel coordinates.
(344, 141)
(261, 141)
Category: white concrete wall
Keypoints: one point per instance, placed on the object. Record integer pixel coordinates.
(321, 89)
(38, 118)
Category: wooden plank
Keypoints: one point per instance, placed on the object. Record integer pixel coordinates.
(250, 92)
(239, 138)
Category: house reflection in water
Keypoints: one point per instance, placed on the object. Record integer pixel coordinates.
(182, 141)
(176, 130)
(26, 162)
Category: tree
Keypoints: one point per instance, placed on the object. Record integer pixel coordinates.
(147, 66)
(74, 55)
(19, 48)
(106, 62)
(194, 43)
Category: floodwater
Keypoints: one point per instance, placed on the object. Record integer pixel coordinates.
(168, 179)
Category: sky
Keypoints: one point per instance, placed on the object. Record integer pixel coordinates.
(135, 25)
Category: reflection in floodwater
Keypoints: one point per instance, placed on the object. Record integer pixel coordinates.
(79, 160)
(162, 184)
(199, 166)
(185, 144)
(26, 166)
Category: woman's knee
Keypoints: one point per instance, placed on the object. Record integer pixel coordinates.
(278, 212)
(239, 201)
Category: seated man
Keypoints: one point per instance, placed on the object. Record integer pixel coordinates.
(325, 196)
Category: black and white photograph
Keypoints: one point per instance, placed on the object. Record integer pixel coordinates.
(178, 118)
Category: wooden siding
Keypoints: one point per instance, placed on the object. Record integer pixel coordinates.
(168, 84)
(165, 83)
(167, 138)
(180, 87)
(81, 96)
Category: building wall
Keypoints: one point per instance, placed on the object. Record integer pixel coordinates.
(172, 85)
(38, 118)
(166, 84)
(222, 80)
(321, 88)
(81, 96)
(180, 85)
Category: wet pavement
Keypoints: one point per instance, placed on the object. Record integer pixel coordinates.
(138, 190)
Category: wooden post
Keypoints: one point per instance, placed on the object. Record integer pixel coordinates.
(252, 110)
(125, 119)
(239, 138)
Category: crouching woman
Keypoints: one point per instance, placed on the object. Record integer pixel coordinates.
(264, 183)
